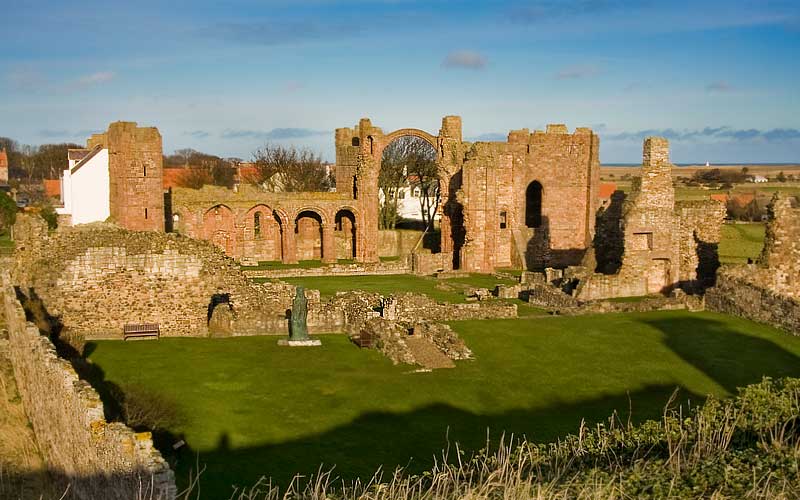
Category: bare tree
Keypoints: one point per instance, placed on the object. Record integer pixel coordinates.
(408, 160)
(280, 168)
(423, 172)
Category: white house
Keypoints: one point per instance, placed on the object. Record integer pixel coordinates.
(758, 179)
(85, 186)
(409, 202)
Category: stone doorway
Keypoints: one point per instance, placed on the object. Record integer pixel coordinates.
(658, 276)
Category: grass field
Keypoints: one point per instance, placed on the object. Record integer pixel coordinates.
(444, 290)
(252, 408)
(740, 242)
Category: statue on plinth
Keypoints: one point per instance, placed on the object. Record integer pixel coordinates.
(298, 328)
(298, 323)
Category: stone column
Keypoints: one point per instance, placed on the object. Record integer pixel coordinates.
(328, 244)
(446, 241)
(289, 245)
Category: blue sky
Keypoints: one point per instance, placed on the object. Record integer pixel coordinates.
(721, 79)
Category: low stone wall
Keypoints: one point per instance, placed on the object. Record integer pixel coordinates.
(740, 292)
(99, 459)
(416, 307)
(549, 296)
(400, 266)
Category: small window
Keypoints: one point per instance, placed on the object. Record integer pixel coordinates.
(402, 194)
(257, 224)
(144, 169)
(503, 220)
(356, 142)
(145, 213)
(641, 241)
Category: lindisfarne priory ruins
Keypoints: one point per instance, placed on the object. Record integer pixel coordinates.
(522, 241)
(400, 250)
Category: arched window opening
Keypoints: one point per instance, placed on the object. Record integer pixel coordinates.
(345, 226)
(257, 225)
(533, 205)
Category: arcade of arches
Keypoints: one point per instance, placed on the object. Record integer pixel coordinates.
(496, 198)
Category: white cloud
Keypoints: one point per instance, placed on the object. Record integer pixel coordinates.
(464, 59)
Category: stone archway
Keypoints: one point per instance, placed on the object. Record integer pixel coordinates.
(345, 231)
(219, 228)
(358, 157)
(262, 234)
(310, 241)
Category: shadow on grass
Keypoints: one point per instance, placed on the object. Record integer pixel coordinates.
(728, 356)
(412, 440)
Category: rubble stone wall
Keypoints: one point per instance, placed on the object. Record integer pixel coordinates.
(769, 291)
(744, 291)
(96, 278)
(100, 459)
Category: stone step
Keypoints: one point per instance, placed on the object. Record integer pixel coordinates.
(428, 355)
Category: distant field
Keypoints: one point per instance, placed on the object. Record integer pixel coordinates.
(688, 171)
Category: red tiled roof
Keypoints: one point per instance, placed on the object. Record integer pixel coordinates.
(173, 177)
(3, 159)
(52, 188)
(247, 172)
(743, 199)
(606, 190)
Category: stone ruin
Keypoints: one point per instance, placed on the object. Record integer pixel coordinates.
(95, 278)
(767, 291)
(502, 202)
(652, 243)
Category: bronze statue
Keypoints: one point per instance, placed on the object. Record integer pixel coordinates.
(298, 329)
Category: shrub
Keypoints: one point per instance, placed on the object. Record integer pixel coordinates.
(142, 408)
(8, 212)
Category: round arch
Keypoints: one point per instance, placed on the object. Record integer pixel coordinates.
(345, 227)
(322, 214)
(386, 139)
(534, 195)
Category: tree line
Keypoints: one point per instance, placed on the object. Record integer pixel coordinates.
(274, 167)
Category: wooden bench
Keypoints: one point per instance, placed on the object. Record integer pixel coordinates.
(141, 330)
(364, 340)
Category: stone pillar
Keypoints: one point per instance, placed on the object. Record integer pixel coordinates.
(328, 244)
(446, 241)
(289, 245)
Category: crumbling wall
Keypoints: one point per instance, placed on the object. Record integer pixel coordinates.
(665, 244)
(781, 253)
(96, 278)
(494, 195)
(98, 458)
(745, 291)
(769, 291)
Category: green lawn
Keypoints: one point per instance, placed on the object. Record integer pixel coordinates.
(252, 408)
(449, 290)
(303, 264)
(740, 242)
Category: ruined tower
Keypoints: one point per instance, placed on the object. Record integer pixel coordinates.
(135, 167)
